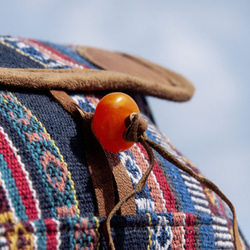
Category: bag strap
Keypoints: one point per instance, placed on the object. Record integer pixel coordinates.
(118, 72)
(99, 162)
(136, 126)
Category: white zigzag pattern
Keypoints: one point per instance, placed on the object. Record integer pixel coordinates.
(143, 204)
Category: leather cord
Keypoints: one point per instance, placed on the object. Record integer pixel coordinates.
(99, 162)
(132, 135)
(204, 181)
(98, 165)
(140, 185)
(135, 132)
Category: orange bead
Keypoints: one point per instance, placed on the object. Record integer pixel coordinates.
(109, 121)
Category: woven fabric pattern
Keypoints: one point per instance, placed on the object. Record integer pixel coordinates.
(47, 198)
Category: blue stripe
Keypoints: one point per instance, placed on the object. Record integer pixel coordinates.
(66, 50)
(206, 232)
(12, 189)
(180, 187)
(41, 231)
(133, 168)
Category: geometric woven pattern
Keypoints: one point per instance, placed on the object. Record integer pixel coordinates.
(47, 199)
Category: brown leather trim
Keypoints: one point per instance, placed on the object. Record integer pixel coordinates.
(123, 182)
(90, 80)
(98, 165)
(66, 101)
(176, 85)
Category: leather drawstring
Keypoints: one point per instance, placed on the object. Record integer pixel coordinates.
(140, 185)
(136, 126)
(131, 134)
(204, 181)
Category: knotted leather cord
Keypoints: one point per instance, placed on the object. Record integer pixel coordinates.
(204, 181)
(140, 185)
(131, 134)
(135, 127)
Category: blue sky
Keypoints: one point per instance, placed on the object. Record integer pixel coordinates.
(206, 41)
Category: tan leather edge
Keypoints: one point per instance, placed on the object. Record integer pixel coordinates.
(174, 78)
(172, 82)
(89, 80)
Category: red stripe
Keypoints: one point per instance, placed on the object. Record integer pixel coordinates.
(167, 193)
(20, 178)
(189, 237)
(189, 231)
(51, 234)
(55, 52)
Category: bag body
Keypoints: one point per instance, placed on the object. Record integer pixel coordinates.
(48, 199)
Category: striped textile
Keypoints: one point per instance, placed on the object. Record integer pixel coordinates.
(47, 199)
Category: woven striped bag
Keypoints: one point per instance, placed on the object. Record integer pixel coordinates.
(60, 189)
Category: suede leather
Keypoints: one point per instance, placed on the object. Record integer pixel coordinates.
(60, 205)
(99, 163)
(96, 80)
(178, 87)
(123, 183)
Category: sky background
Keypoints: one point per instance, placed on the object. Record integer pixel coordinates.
(206, 41)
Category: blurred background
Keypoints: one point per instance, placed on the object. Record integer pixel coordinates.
(206, 41)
